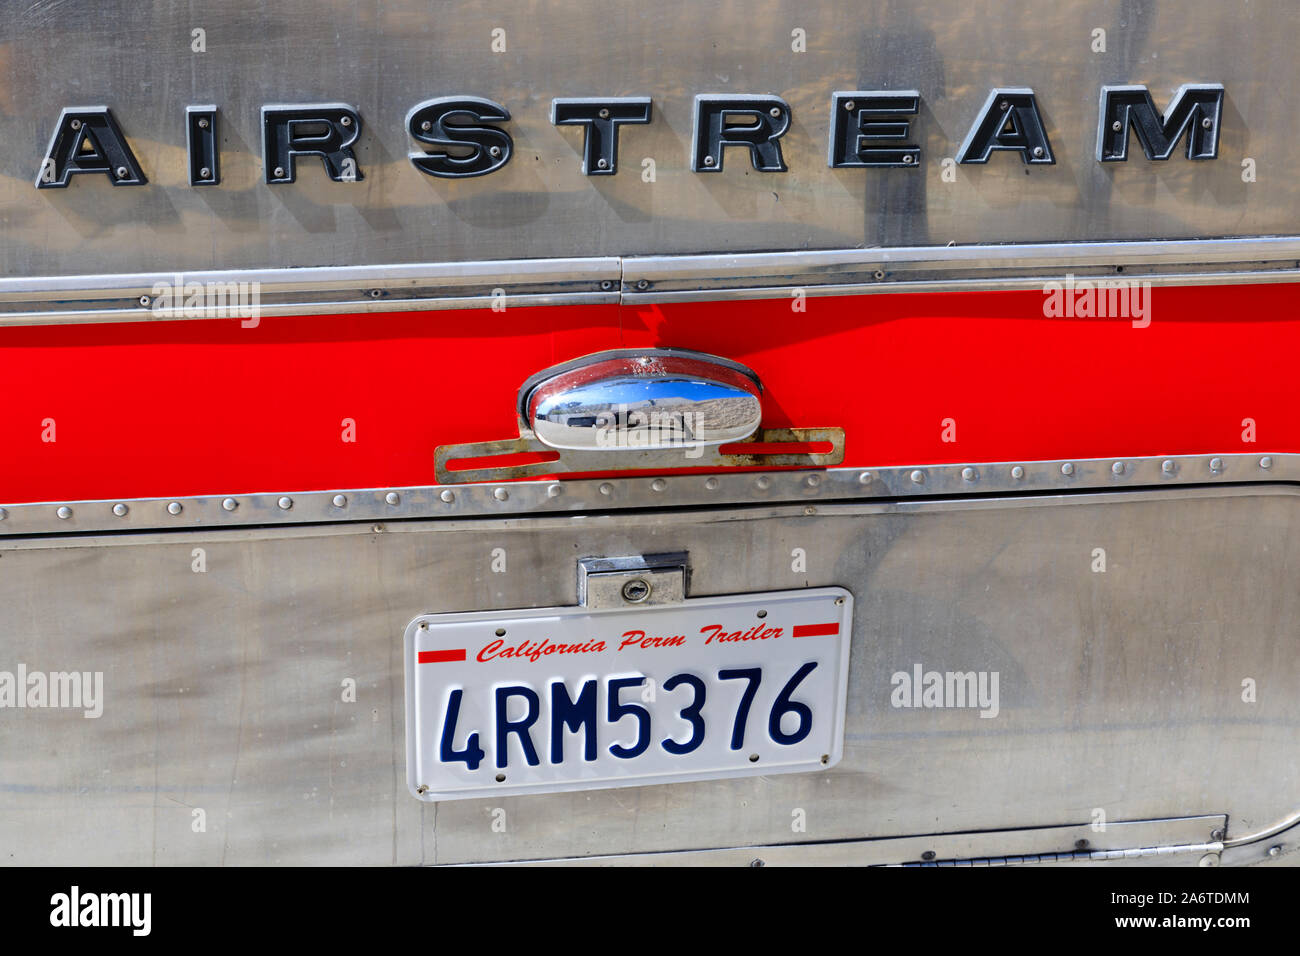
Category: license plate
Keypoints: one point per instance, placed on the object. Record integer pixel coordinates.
(552, 699)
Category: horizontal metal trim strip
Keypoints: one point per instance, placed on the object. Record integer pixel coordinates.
(503, 499)
(643, 279)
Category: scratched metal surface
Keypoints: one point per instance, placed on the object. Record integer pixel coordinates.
(384, 57)
(223, 689)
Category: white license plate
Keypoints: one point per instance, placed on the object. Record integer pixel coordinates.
(552, 699)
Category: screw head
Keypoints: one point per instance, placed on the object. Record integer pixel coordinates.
(643, 284)
(606, 285)
(908, 159)
(711, 484)
(145, 300)
(1117, 468)
(174, 508)
(345, 121)
(494, 150)
(278, 172)
(879, 274)
(122, 172)
(285, 503)
(850, 105)
(602, 163)
(447, 495)
(230, 504)
(1038, 151)
(1207, 123)
(1004, 105)
(75, 124)
(604, 113)
(1217, 834)
(500, 494)
(1017, 472)
(658, 484)
(203, 122)
(1216, 464)
(968, 474)
(393, 498)
(426, 126)
(340, 501)
(554, 491)
(1167, 466)
(918, 477)
(64, 512)
(774, 112)
(636, 591)
(607, 489)
(708, 160)
(1067, 468)
(812, 481)
(205, 173)
(762, 481)
(1275, 851)
(1117, 126)
(866, 478)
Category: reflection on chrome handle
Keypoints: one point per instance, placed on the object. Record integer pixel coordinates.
(646, 399)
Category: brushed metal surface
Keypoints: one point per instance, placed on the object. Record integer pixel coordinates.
(225, 688)
(384, 57)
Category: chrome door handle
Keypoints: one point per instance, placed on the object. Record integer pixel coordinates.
(642, 399)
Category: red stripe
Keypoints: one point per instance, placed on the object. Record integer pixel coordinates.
(441, 657)
(815, 630)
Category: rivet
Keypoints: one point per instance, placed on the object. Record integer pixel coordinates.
(278, 172)
(602, 163)
(447, 495)
(711, 484)
(145, 300)
(120, 509)
(1017, 472)
(1275, 851)
(607, 285)
(607, 489)
(1207, 123)
(812, 481)
(203, 122)
(763, 481)
(1067, 468)
(879, 274)
(122, 172)
(205, 173)
(1216, 464)
(658, 484)
(1117, 126)
(285, 503)
(376, 293)
(340, 501)
(494, 150)
(968, 474)
(907, 159)
(604, 113)
(345, 121)
(849, 105)
(230, 504)
(1167, 466)
(426, 126)
(64, 512)
(918, 477)
(500, 494)
(774, 112)
(75, 124)
(1038, 151)
(393, 498)
(1266, 462)
(643, 284)
(174, 508)
(865, 478)
(1117, 468)
(553, 491)
(708, 160)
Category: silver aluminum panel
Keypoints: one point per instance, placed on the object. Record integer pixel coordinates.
(252, 710)
(384, 57)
